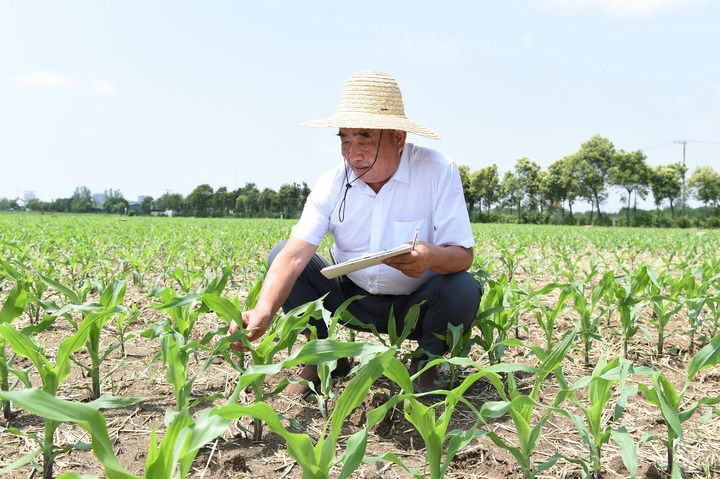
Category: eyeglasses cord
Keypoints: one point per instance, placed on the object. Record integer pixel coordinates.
(348, 184)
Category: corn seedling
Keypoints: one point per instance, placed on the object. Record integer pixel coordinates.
(521, 408)
(317, 460)
(493, 319)
(172, 459)
(592, 430)
(695, 298)
(588, 319)
(628, 299)
(432, 429)
(182, 309)
(51, 376)
(664, 395)
(12, 308)
(547, 316)
(664, 306)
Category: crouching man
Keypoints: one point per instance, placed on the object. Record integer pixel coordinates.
(375, 199)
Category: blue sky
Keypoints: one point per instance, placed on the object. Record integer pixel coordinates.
(147, 97)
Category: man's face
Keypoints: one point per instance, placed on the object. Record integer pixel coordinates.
(359, 147)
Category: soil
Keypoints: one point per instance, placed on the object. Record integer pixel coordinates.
(236, 455)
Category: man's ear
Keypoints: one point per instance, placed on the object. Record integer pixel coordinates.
(400, 137)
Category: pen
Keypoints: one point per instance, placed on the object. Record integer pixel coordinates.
(417, 232)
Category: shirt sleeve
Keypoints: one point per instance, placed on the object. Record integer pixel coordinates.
(315, 218)
(451, 221)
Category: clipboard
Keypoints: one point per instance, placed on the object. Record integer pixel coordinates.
(364, 261)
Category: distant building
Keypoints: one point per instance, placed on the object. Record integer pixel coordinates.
(141, 198)
(134, 206)
(28, 195)
(98, 200)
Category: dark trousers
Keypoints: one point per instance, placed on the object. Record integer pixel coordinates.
(449, 299)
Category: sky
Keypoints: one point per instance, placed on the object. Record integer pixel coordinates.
(162, 96)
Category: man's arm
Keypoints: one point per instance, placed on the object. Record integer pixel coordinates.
(279, 281)
(426, 256)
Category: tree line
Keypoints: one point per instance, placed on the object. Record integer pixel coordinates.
(248, 201)
(525, 194)
(535, 195)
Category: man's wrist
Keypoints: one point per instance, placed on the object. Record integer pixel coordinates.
(264, 314)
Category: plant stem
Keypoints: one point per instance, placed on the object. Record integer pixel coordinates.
(4, 384)
(47, 447)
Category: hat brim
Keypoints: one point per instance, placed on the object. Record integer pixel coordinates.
(373, 121)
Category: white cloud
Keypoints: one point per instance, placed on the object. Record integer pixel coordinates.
(621, 8)
(100, 85)
(55, 81)
(47, 80)
(527, 41)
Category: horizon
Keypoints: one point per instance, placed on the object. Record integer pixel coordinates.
(146, 98)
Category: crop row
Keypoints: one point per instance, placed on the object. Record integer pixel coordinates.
(598, 284)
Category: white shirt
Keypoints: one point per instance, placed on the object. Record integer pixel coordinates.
(425, 192)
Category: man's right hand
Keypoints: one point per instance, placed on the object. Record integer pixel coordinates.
(280, 278)
(256, 324)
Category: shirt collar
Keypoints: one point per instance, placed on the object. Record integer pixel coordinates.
(402, 173)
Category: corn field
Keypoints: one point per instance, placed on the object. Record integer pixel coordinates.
(593, 354)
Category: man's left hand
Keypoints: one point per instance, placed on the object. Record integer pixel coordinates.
(414, 263)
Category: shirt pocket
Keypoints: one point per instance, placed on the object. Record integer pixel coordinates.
(404, 231)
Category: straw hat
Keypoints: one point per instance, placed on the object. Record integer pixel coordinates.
(371, 99)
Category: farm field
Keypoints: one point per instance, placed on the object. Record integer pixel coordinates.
(593, 354)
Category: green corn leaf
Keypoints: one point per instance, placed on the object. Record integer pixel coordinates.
(107, 401)
(89, 418)
(667, 398)
(14, 304)
(707, 356)
(113, 295)
(299, 446)
(628, 450)
(354, 394)
(26, 347)
(27, 458)
(223, 307)
(389, 456)
(69, 293)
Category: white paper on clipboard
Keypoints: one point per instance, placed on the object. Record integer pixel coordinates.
(363, 261)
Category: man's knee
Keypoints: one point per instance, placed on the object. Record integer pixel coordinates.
(461, 294)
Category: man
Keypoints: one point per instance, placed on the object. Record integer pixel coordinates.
(375, 200)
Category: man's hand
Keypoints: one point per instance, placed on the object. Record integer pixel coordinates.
(414, 263)
(427, 256)
(255, 323)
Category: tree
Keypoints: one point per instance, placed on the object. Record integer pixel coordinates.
(223, 200)
(146, 205)
(510, 192)
(267, 201)
(629, 172)
(665, 184)
(81, 201)
(114, 202)
(528, 176)
(595, 158)
(199, 199)
(468, 192)
(169, 201)
(561, 184)
(247, 201)
(705, 184)
(485, 184)
(290, 199)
